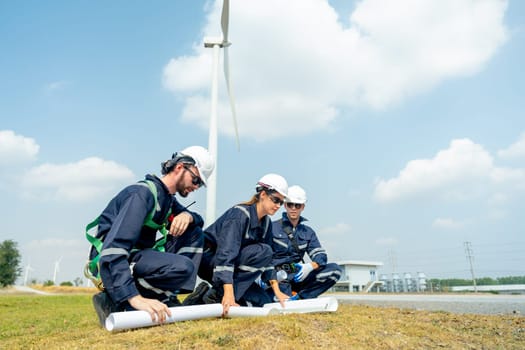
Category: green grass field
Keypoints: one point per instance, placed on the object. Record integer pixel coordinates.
(68, 321)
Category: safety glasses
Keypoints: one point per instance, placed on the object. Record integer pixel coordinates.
(276, 200)
(294, 205)
(195, 180)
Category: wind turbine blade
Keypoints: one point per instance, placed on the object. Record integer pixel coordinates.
(224, 20)
(230, 94)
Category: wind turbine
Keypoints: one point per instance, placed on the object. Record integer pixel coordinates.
(57, 269)
(216, 44)
(28, 268)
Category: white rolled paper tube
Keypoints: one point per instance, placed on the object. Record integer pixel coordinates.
(325, 304)
(242, 311)
(136, 319)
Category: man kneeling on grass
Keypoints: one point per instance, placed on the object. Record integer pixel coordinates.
(138, 271)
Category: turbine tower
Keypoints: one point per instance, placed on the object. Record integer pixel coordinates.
(216, 44)
(57, 269)
(28, 269)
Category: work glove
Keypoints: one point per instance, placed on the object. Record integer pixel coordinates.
(303, 271)
(261, 283)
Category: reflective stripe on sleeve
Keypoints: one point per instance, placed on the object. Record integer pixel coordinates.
(148, 286)
(114, 251)
(223, 268)
(317, 251)
(192, 250)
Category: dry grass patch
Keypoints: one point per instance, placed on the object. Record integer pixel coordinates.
(65, 289)
(69, 322)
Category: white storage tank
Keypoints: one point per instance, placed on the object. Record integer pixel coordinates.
(397, 283)
(421, 282)
(407, 282)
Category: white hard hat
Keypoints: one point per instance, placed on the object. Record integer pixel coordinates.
(203, 160)
(273, 182)
(296, 194)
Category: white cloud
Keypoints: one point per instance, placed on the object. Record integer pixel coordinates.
(338, 229)
(462, 161)
(460, 172)
(83, 180)
(298, 66)
(447, 223)
(509, 175)
(15, 149)
(516, 150)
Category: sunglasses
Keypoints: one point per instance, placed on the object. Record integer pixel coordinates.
(195, 180)
(290, 205)
(276, 200)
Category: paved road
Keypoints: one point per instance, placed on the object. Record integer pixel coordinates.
(462, 304)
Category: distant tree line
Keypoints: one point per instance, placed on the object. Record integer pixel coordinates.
(483, 281)
(10, 269)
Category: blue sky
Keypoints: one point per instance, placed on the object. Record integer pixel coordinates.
(402, 120)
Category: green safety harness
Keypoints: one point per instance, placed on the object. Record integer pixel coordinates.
(91, 270)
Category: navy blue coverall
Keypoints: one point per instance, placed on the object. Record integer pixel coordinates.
(237, 250)
(128, 264)
(285, 255)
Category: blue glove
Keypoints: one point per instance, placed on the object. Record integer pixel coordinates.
(304, 271)
(261, 283)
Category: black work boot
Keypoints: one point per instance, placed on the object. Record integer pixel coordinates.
(172, 301)
(212, 297)
(103, 306)
(195, 298)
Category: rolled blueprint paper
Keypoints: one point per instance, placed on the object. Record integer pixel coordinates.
(325, 304)
(137, 319)
(242, 311)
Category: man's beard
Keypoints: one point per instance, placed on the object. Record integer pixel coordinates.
(181, 189)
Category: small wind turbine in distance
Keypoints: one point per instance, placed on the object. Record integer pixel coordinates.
(57, 269)
(216, 44)
(28, 269)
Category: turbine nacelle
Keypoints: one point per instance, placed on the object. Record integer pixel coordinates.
(211, 41)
